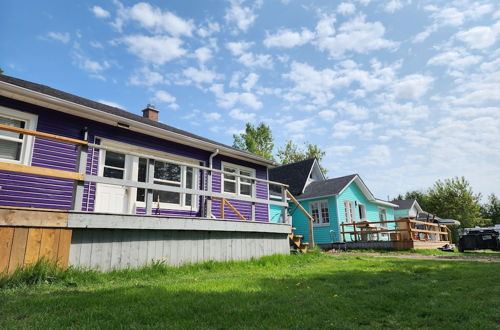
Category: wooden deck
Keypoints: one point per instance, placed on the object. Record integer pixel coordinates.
(402, 234)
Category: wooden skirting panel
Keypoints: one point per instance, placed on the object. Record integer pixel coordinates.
(32, 218)
(22, 246)
(106, 249)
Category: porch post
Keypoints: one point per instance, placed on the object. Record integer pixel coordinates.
(254, 195)
(78, 186)
(148, 198)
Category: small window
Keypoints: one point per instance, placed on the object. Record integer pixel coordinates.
(362, 211)
(319, 212)
(16, 147)
(237, 185)
(382, 214)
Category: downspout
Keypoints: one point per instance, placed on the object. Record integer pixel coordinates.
(209, 199)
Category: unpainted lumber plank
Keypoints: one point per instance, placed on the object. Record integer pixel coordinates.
(167, 247)
(33, 246)
(115, 261)
(47, 244)
(75, 248)
(18, 249)
(6, 237)
(31, 218)
(64, 248)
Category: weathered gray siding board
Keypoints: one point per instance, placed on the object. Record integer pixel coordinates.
(107, 249)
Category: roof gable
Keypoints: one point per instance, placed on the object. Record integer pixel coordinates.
(295, 175)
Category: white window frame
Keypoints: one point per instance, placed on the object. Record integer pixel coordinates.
(237, 180)
(132, 172)
(318, 205)
(27, 142)
(350, 205)
(385, 217)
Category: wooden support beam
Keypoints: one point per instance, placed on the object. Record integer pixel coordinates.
(10, 167)
(309, 217)
(42, 135)
(235, 210)
(222, 202)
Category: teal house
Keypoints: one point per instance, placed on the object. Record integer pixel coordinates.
(330, 202)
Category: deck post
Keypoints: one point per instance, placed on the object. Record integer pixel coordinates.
(209, 198)
(254, 195)
(355, 233)
(284, 213)
(343, 231)
(79, 185)
(222, 206)
(150, 173)
(408, 223)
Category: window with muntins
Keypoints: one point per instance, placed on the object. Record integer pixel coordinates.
(16, 147)
(382, 214)
(319, 212)
(169, 174)
(233, 184)
(349, 211)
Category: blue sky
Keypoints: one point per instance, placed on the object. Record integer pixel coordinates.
(402, 92)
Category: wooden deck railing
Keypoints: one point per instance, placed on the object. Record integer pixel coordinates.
(80, 177)
(405, 229)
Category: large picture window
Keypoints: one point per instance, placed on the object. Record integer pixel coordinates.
(233, 184)
(169, 174)
(319, 212)
(16, 147)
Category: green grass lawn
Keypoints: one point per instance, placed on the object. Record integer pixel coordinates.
(312, 291)
(435, 252)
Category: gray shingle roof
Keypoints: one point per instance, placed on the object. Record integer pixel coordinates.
(327, 187)
(295, 175)
(112, 110)
(404, 204)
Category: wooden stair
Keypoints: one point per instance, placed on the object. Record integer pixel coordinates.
(296, 244)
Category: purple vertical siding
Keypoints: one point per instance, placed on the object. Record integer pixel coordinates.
(42, 192)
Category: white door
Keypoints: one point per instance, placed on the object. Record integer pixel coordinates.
(112, 198)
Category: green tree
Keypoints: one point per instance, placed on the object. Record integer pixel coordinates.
(1, 71)
(454, 199)
(421, 197)
(257, 140)
(291, 153)
(491, 210)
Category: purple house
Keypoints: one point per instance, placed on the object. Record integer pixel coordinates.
(123, 189)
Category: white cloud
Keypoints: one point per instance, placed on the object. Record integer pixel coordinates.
(242, 16)
(209, 29)
(146, 77)
(212, 116)
(346, 8)
(156, 20)
(339, 150)
(401, 114)
(412, 87)
(344, 128)
(165, 97)
(287, 38)
(249, 59)
(378, 155)
(228, 100)
(478, 37)
(352, 110)
(393, 6)
(100, 12)
(203, 54)
(157, 49)
(96, 44)
(327, 115)
(199, 76)
(356, 35)
(456, 59)
(59, 36)
(242, 115)
(300, 125)
(111, 104)
(250, 81)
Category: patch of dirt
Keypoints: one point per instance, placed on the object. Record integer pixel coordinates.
(416, 256)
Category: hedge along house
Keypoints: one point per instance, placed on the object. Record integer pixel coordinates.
(92, 185)
(332, 202)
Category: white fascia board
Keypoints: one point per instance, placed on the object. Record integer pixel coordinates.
(51, 102)
(378, 201)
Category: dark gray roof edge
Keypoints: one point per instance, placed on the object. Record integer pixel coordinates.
(47, 90)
